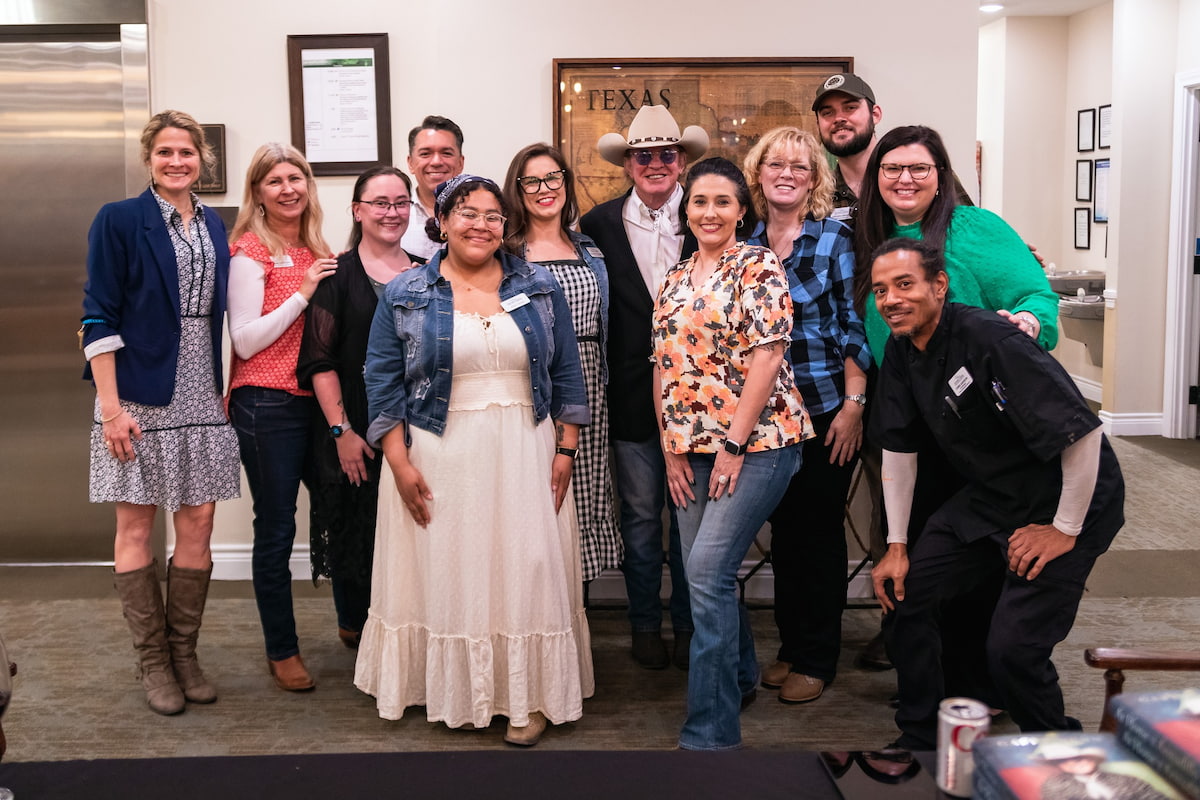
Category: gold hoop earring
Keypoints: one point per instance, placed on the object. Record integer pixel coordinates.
(442, 236)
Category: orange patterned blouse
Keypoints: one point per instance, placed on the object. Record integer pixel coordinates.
(703, 338)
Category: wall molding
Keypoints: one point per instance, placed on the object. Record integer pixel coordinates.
(1132, 424)
(1090, 389)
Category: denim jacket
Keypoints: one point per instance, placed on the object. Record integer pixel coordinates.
(591, 255)
(410, 350)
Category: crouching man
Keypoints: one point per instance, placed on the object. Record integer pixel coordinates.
(1043, 490)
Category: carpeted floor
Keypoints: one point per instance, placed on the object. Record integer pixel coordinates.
(76, 696)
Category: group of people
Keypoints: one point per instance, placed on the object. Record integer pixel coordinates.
(449, 387)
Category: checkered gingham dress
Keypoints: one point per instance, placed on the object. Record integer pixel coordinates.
(599, 539)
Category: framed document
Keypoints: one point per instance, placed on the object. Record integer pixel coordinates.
(341, 101)
(1083, 229)
(1085, 134)
(1083, 180)
(1104, 131)
(736, 100)
(1102, 169)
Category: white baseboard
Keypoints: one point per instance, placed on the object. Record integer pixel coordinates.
(1132, 424)
(232, 563)
(1090, 389)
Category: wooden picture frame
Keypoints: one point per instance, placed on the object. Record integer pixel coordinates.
(212, 181)
(1104, 127)
(341, 101)
(1083, 180)
(1085, 130)
(1083, 229)
(735, 100)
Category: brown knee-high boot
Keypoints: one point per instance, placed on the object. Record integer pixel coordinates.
(142, 605)
(187, 589)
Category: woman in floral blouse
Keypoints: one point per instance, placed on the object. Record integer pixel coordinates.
(733, 422)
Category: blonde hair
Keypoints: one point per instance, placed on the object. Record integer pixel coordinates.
(252, 218)
(185, 122)
(820, 189)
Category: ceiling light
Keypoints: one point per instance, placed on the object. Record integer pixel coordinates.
(991, 8)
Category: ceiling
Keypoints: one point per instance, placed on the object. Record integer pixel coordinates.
(1040, 8)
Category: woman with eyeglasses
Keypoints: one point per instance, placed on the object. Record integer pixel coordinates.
(279, 259)
(540, 193)
(343, 468)
(475, 396)
(908, 190)
(792, 188)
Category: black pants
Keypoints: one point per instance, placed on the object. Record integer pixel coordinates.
(1030, 618)
(808, 557)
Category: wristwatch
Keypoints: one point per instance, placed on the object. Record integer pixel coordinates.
(861, 399)
(337, 430)
(733, 448)
(569, 452)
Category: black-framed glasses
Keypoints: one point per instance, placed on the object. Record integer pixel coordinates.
(490, 219)
(382, 207)
(531, 184)
(666, 155)
(919, 172)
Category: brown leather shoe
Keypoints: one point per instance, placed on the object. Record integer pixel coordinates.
(349, 638)
(774, 675)
(290, 674)
(799, 688)
(874, 655)
(527, 735)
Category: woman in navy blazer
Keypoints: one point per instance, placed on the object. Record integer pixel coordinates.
(154, 306)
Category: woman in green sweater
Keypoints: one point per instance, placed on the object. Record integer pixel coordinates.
(908, 190)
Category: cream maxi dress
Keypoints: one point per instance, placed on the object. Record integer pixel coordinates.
(481, 613)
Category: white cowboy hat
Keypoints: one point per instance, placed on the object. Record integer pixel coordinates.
(653, 127)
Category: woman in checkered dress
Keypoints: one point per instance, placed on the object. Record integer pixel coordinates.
(540, 192)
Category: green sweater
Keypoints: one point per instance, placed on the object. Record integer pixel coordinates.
(989, 267)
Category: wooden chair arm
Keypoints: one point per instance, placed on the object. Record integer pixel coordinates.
(1114, 661)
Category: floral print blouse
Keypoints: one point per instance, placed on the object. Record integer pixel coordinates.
(703, 338)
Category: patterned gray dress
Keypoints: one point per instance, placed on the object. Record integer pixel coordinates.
(599, 539)
(188, 453)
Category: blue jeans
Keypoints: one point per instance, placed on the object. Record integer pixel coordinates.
(716, 535)
(642, 485)
(273, 429)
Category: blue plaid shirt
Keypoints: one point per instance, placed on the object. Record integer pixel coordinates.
(826, 329)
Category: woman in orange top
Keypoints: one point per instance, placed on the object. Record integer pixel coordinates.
(278, 258)
(733, 422)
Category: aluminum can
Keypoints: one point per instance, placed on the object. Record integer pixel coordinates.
(961, 721)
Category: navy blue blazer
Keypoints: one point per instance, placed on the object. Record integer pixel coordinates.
(132, 291)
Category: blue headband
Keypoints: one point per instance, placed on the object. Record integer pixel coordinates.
(444, 190)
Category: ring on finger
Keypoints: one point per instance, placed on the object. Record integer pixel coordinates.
(723, 479)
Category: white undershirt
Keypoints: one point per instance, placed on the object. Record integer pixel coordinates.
(250, 329)
(653, 236)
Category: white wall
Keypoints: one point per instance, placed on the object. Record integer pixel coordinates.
(990, 112)
(1089, 80)
(488, 66)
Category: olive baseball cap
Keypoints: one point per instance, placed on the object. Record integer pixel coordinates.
(846, 83)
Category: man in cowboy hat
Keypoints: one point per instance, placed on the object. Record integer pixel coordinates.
(639, 234)
(1080, 775)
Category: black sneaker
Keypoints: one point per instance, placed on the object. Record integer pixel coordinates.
(649, 650)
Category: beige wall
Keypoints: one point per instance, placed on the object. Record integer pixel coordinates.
(488, 66)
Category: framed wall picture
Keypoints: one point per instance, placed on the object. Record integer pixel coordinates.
(1102, 171)
(1083, 229)
(1083, 180)
(212, 181)
(341, 101)
(1104, 129)
(1085, 133)
(735, 100)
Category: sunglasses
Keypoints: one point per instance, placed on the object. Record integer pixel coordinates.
(667, 155)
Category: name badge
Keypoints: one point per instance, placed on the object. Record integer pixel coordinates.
(594, 252)
(842, 214)
(515, 302)
(283, 261)
(960, 381)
